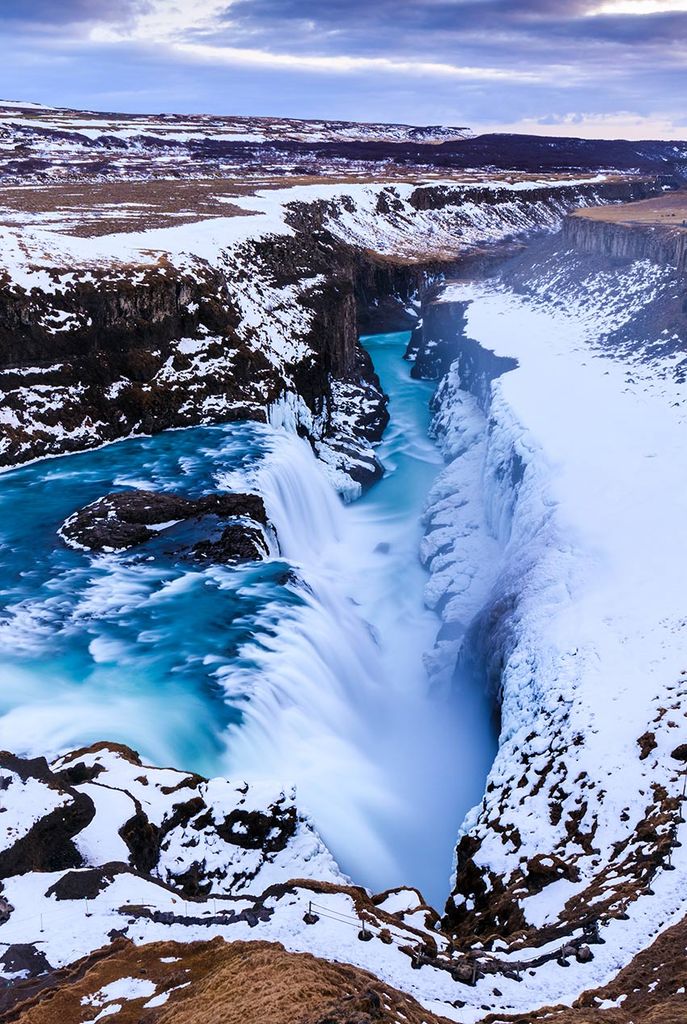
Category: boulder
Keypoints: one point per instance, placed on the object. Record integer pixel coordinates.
(234, 524)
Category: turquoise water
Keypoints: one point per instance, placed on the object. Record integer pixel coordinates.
(308, 668)
(122, 646)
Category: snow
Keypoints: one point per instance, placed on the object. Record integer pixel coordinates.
(264, 213)
(100, 841)
(586, 542)
(601, 445)
(23, 804)
(122, 988)
(400, 901)
(583, 546)
(545, 906)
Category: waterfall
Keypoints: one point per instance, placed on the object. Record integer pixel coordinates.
(302, 505)
(332, 687)
(306, 668)
(313, 675)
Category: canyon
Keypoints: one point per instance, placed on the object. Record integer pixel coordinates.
(499, 558)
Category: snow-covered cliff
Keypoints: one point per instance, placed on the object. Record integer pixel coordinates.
(106, 335)
(553, 541)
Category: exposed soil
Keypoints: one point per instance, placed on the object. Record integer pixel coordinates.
(89, 209)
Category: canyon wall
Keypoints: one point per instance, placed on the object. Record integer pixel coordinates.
(502, 566)
(109, 336)
(625, 241)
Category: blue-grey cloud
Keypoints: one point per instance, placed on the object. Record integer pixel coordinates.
(43, 13)
(563, 63)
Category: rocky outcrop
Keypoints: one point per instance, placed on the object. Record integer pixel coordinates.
(126, 519)
(45, 815)
(161, 817)
(666, 246)
(439, 341)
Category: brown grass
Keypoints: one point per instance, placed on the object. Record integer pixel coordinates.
(231, 983)
(86, 209)
(668, 210)
(650, 983)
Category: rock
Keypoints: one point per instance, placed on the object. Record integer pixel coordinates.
(646, 743)
(24, 957)
(125, 519)
(255, 830)
(239, 543)
(47, 843)
(6, 909)
(543, 869)
(85, 884)
(584, 955)
(463, 971)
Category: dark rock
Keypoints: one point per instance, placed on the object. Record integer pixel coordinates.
(543, 869)
(125, 519)
(48, 845)
(385, 316)
(86, 884)
(463, 971)
(437, 341)
(254, 830)
(77, 774)
(24, 957)
(646, 743)
(239, 543)
(193, 882)
(142, 838)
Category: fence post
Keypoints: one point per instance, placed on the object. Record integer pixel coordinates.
(310, 917)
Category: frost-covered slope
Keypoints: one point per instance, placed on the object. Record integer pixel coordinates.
(45, 144)
(96, 126)
(555, 540)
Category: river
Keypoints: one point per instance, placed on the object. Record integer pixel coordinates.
(308, 667)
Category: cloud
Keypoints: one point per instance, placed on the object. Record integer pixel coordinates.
(42, 13)
(620, 125)
(542, 63)
(640, 7)
(347, 65)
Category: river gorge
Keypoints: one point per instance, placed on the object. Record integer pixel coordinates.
(307, 667)
(341, 605)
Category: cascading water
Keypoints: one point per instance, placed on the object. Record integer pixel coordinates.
(308, 668)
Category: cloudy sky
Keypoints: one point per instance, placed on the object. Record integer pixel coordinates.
(594, 68)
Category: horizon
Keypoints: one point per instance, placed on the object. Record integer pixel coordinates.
(28, 104)
(590, 69)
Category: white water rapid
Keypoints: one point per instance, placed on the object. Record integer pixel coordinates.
(341, 703)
